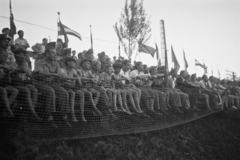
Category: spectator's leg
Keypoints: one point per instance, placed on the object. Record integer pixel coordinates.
(50, 99)
(80, 94)
(34, 94)
(25, 93)
(72, 96)
(13, 92)
(4, 101)
(96, 96)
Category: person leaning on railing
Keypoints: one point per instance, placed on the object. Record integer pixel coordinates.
(47, 68)
(70, 77)
(106, 96)
(8, 93)
(87, 80)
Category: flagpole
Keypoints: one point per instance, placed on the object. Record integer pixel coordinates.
(59, 21)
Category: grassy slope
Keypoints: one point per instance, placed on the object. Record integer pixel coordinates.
(212, 137)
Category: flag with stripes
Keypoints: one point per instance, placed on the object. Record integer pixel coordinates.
(147, 49)
(174, 60)
(13, 29)
(62, 30)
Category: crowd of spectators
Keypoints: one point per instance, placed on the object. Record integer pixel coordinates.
(71, 82)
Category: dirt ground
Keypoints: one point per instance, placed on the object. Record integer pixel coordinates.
(213, 137)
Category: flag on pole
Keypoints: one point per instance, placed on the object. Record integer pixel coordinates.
(61, 31)
(147, 49)
(218, 72)
(13, 29)
(205, 68)
(158, 56)
(185, 61)
(64, 30)
(174, 60)
(197, 63)
(91, 37)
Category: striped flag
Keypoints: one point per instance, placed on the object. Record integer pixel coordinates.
(197, 63)
(174, 60)
(185, 61)
(62, 30)
(147, 49)
(13, 29)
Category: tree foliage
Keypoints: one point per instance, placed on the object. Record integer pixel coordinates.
(133, 27)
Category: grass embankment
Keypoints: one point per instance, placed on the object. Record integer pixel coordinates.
(212, 137)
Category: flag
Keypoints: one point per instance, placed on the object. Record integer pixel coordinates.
(91, 37)
(158, 56)
(64, 30)
(212, 70)
(218, 73)
(61, 31)
(174, 60)
(12, 24)
(201, 65)
(185, 61)
(146, 49)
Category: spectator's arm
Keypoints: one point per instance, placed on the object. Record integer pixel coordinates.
(34, 48)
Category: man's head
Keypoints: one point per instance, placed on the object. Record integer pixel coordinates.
(107, 68)
(126, 65)
(96, 65)
(81, 55)
(117, 67)
(4, 40)
(174, 73)
(86, 64)
(20, 33)
(51, 53)
(5, 31)
(102, 57)
(205, 78)
(59, 41)
(66, 52)
(89, 55)
(3, 56)
(139, 66)
(211, 79)
(44, 41)
(183, 73)
(73, 52)
(71, 62)
(153, 70)
(22, 62)
(193, 77)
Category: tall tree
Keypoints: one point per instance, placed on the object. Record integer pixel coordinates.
(133, 26)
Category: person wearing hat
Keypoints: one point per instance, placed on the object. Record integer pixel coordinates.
(4, 44)
(87, 80)
(47, 69)
(21, 42)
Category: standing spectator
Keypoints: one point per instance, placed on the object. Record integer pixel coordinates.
(39, 48)
(74, 54)
(20, 42)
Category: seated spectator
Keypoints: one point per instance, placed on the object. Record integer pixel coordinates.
(105, 80)
(21, 79)
(60, 46)
(8, 93)
(20, 42)
(70, 75)
(106, 99)
(66, 53)
(130, 91)
(87, 79)
(11, 58)
(23, 53)
(81, 56)
(48, 68)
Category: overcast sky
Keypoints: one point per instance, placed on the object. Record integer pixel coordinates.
(205, 29)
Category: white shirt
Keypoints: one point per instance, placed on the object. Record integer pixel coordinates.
(125, 74)
(143, 82)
